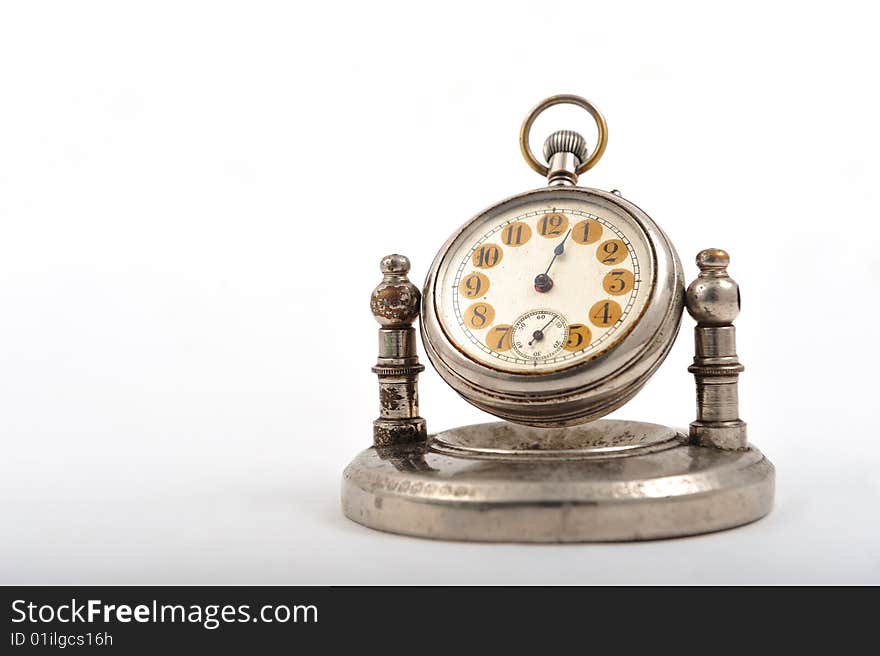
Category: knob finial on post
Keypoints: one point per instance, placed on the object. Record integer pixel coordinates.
(713, 299)
(395, 305)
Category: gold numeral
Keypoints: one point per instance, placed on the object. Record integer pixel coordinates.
(618, 281)
(552, 225)
(474, 285)
(612, 251)
(516, 234)
(586, 231)
(498, 337)
(487, 256)
(605, 313)
(479, 316)
(579, 336)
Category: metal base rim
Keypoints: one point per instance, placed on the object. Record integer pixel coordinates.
(680, 491)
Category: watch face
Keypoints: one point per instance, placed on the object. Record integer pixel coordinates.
(538, 284)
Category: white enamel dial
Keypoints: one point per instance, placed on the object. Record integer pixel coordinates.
(584, 265)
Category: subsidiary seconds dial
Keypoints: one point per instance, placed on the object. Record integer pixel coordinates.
(539, 335)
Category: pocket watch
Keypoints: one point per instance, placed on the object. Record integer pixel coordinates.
(555, 306)
(549, 310)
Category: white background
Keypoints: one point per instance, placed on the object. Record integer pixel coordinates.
(194, 198)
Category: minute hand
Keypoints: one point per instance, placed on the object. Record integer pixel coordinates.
(560, 248)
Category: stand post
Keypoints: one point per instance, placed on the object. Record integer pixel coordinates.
(713, 300)
(395, 305)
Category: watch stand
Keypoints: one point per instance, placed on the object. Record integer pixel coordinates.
(605, 480)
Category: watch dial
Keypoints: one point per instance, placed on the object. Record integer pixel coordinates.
(534, 287)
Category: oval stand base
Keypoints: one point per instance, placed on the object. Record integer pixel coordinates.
(608, 480)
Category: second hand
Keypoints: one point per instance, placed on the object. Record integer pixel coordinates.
(538, 335)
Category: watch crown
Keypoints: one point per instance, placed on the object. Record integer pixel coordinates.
(566, 141)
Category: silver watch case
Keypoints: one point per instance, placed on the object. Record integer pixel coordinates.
(584, 391)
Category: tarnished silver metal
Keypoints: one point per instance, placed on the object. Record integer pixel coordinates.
(395, 305)
(563, 170)
(566, 141)
(604, 481)
(713, 299)
(564, 151)
(585, 391)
